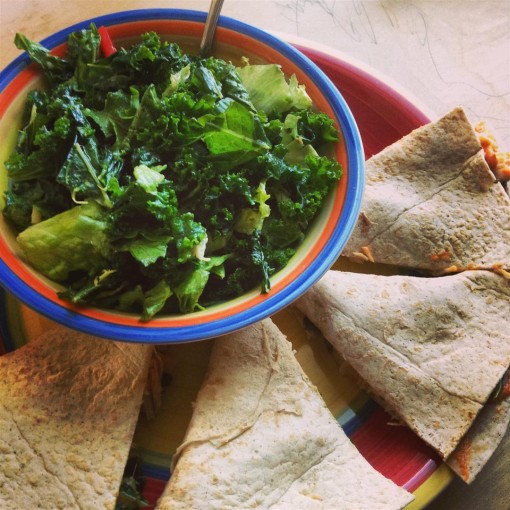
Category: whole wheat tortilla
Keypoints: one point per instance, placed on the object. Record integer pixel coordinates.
(481, 440)
(69, 404)
(262, 437)
(431, 202)
(430, 349)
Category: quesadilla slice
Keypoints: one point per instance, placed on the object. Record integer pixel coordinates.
(431, 350)
(262, 437)
(69, 404)
(483, 438)
(432, 203)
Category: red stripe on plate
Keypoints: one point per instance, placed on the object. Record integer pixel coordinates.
(395, 451)
(382, 114)
(152, 491)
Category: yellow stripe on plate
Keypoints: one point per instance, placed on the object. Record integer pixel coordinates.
(431, 488)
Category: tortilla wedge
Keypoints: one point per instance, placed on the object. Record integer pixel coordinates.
(69, 404)
(431, 202)
(431, 350)
(481, 440)
(262, 437)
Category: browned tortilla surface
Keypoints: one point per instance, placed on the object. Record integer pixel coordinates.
(69, 404)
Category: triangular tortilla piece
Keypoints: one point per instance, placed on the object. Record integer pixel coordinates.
(481, 440)
(431, 349)
(432, 203)
(69, 404)
(261, 437)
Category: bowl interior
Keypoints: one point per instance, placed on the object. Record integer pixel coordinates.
(326, 237)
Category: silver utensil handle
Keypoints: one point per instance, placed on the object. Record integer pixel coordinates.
(210, 27)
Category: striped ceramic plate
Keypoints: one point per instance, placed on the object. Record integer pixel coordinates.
(384, 115)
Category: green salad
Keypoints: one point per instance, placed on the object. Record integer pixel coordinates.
(152, 181)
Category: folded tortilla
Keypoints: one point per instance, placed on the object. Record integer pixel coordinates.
(481, 440)
(69, 404)
(432, 203)
(262, 437)
(430, 349)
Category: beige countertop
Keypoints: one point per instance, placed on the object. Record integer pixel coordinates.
(445, 53)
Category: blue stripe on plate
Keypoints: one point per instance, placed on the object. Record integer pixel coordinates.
(156, 472)
(351, 420)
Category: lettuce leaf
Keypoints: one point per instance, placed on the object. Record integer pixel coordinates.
(270, 91)
(74, 240)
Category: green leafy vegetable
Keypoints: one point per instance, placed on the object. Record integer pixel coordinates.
(283, 95)
(73, 240)
(152, 181)
(55, 69)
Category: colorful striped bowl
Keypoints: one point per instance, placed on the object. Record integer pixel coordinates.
(318, 252)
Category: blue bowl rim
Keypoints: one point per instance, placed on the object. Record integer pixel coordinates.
(275, 302)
